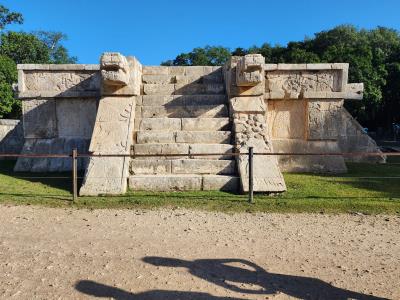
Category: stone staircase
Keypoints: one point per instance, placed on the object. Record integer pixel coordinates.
(183, 110)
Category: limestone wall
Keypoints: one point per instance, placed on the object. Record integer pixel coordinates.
(59, 104)
(11, 136)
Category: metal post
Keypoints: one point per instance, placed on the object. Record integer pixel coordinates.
(74, 174)
(251, 199)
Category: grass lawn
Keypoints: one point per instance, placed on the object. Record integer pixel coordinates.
(357, 191)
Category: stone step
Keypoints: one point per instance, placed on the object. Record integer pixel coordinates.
(183, 182)
(183, 89)
(207, 137)
(181, 70)
(188, 124)
(215, 77)
(181, 100)
(184, 150)
(182, 166)
(187, 111)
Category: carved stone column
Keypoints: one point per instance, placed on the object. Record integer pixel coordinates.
(114, 125)
(245, 79)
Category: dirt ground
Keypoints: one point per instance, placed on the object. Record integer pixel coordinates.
(48, 253)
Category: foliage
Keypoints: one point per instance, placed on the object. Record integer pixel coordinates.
(373, 55)
(207, 56)
(8, 75)
(41, 47)
(7, 17)
(57, 52)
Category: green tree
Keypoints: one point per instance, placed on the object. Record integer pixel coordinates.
(57, 52)
(7, 17)
(207, 56)
(8, 76)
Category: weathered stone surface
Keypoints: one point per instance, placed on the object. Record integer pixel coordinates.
(220, 182)
(144, 137)
(250, 70)
(166, 124)
(203, 137)
(39, 118)
(295, 83)
(76, 118)
(114, 69)
(352, 138)
(189, 111)
(205, 124)
(183, 100)
(111, 135)
(11, 136)
(324, 119)
(287, 119)
(150, 166)
(202, 166)
(198, 88)
(248, 104)
(354, 91)
(218, 149)
(160, 149)
(159, 89)
(158, 79)
(316, 164)
(165, 183)
(60, 83)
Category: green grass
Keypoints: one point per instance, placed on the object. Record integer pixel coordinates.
(344, 193)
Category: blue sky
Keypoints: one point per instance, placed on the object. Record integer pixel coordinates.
(157, 30)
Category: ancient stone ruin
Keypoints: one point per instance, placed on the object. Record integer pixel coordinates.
(122, 107)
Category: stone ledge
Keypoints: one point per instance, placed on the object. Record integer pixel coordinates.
(55, 94)
(60, 67)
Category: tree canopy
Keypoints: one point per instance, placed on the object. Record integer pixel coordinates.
(41, 47)
(373, 55)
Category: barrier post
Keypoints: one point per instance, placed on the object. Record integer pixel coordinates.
(251, 199)
(74, 174)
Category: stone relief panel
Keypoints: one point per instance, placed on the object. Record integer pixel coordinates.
(293, 84)
(324, 119)
(287, 119)
(77, 81)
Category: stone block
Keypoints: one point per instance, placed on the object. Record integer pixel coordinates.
(154, 100)
(165, 183)
(150, 166)
(287, 119)
(198, 88)
(324, 119)
(160, 149)
(155, 70)
(202, 166)
(292, 67)
(159, 89)
(354, 91)
(205, 124)
(248, 104)
(221, 183)
(184, 111)
(319, 66)
(167, 124)
(176, 70)
(221, 151)
(203, 137)
(76, 118)
(158, 79)
(155, 137)
(39, 118)
(270, 67)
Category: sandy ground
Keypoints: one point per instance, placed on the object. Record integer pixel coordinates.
(177, 254)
